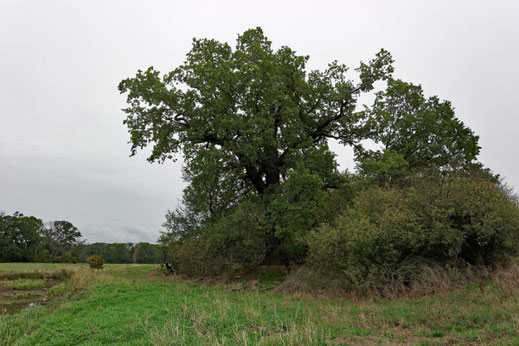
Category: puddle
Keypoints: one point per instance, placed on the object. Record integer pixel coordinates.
(13, 301)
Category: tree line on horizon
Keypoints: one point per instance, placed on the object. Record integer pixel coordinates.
(28, 239)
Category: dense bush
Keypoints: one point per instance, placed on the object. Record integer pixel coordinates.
(238, 237)
(68, 257)
(194, 259)
(96, 262)
(147, 253)
(388, 232)
(235, 238)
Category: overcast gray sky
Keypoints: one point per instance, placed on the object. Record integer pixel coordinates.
(63, 147)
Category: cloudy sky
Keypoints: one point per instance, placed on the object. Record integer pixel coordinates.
(63, 147)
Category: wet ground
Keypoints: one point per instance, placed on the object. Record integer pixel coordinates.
(13, 301)
(27, 284)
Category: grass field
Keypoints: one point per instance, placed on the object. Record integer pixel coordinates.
(25, 267)
(135, 305)
(23, 284)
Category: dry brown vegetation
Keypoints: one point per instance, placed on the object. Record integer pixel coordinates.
(433, 279)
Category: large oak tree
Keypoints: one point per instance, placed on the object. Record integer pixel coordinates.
(251, 121)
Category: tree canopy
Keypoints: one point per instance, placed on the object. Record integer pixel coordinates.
(26, 238)
(20, 237)
(253, 125)
(247, 115)
(60, 237)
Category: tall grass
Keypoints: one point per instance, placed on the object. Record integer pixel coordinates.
(118, 307)
(427, 280)
(23, 284)
(87, 277)
(61, 274)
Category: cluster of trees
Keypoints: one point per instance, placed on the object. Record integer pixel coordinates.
(29, 239)
(253, 126)
(124, 252)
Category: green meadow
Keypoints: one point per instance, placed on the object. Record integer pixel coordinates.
(41, 267)
(137, 305)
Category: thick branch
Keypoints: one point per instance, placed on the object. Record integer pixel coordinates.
(255, 178)
(320, 131)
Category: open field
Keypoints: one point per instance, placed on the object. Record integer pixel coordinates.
(135, 305)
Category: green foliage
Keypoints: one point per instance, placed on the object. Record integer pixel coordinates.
(20, 237)
(245, 119)
(147, 253)
(195, 259)
(416, 134)
(424, 131)
(296, 211)
(111, 252)
(386, 230)
(186, 220)
(60, 238)
(238, 237)
(383, 168)
(253, 127)
(68, 257)
(96, 262)
(44, 256)
(26, 238)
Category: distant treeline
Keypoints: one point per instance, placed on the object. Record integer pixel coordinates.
(122, 252)
(29, 239)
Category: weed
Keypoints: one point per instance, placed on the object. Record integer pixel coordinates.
(58, 290)
(171, 333)
(58, 274)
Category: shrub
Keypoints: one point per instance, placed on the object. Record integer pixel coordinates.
(44, 256)
(96, 262)
(68, 257)
(235, 238)
(193, 259)
(238, 237)
(147, 253)
(389, 233)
